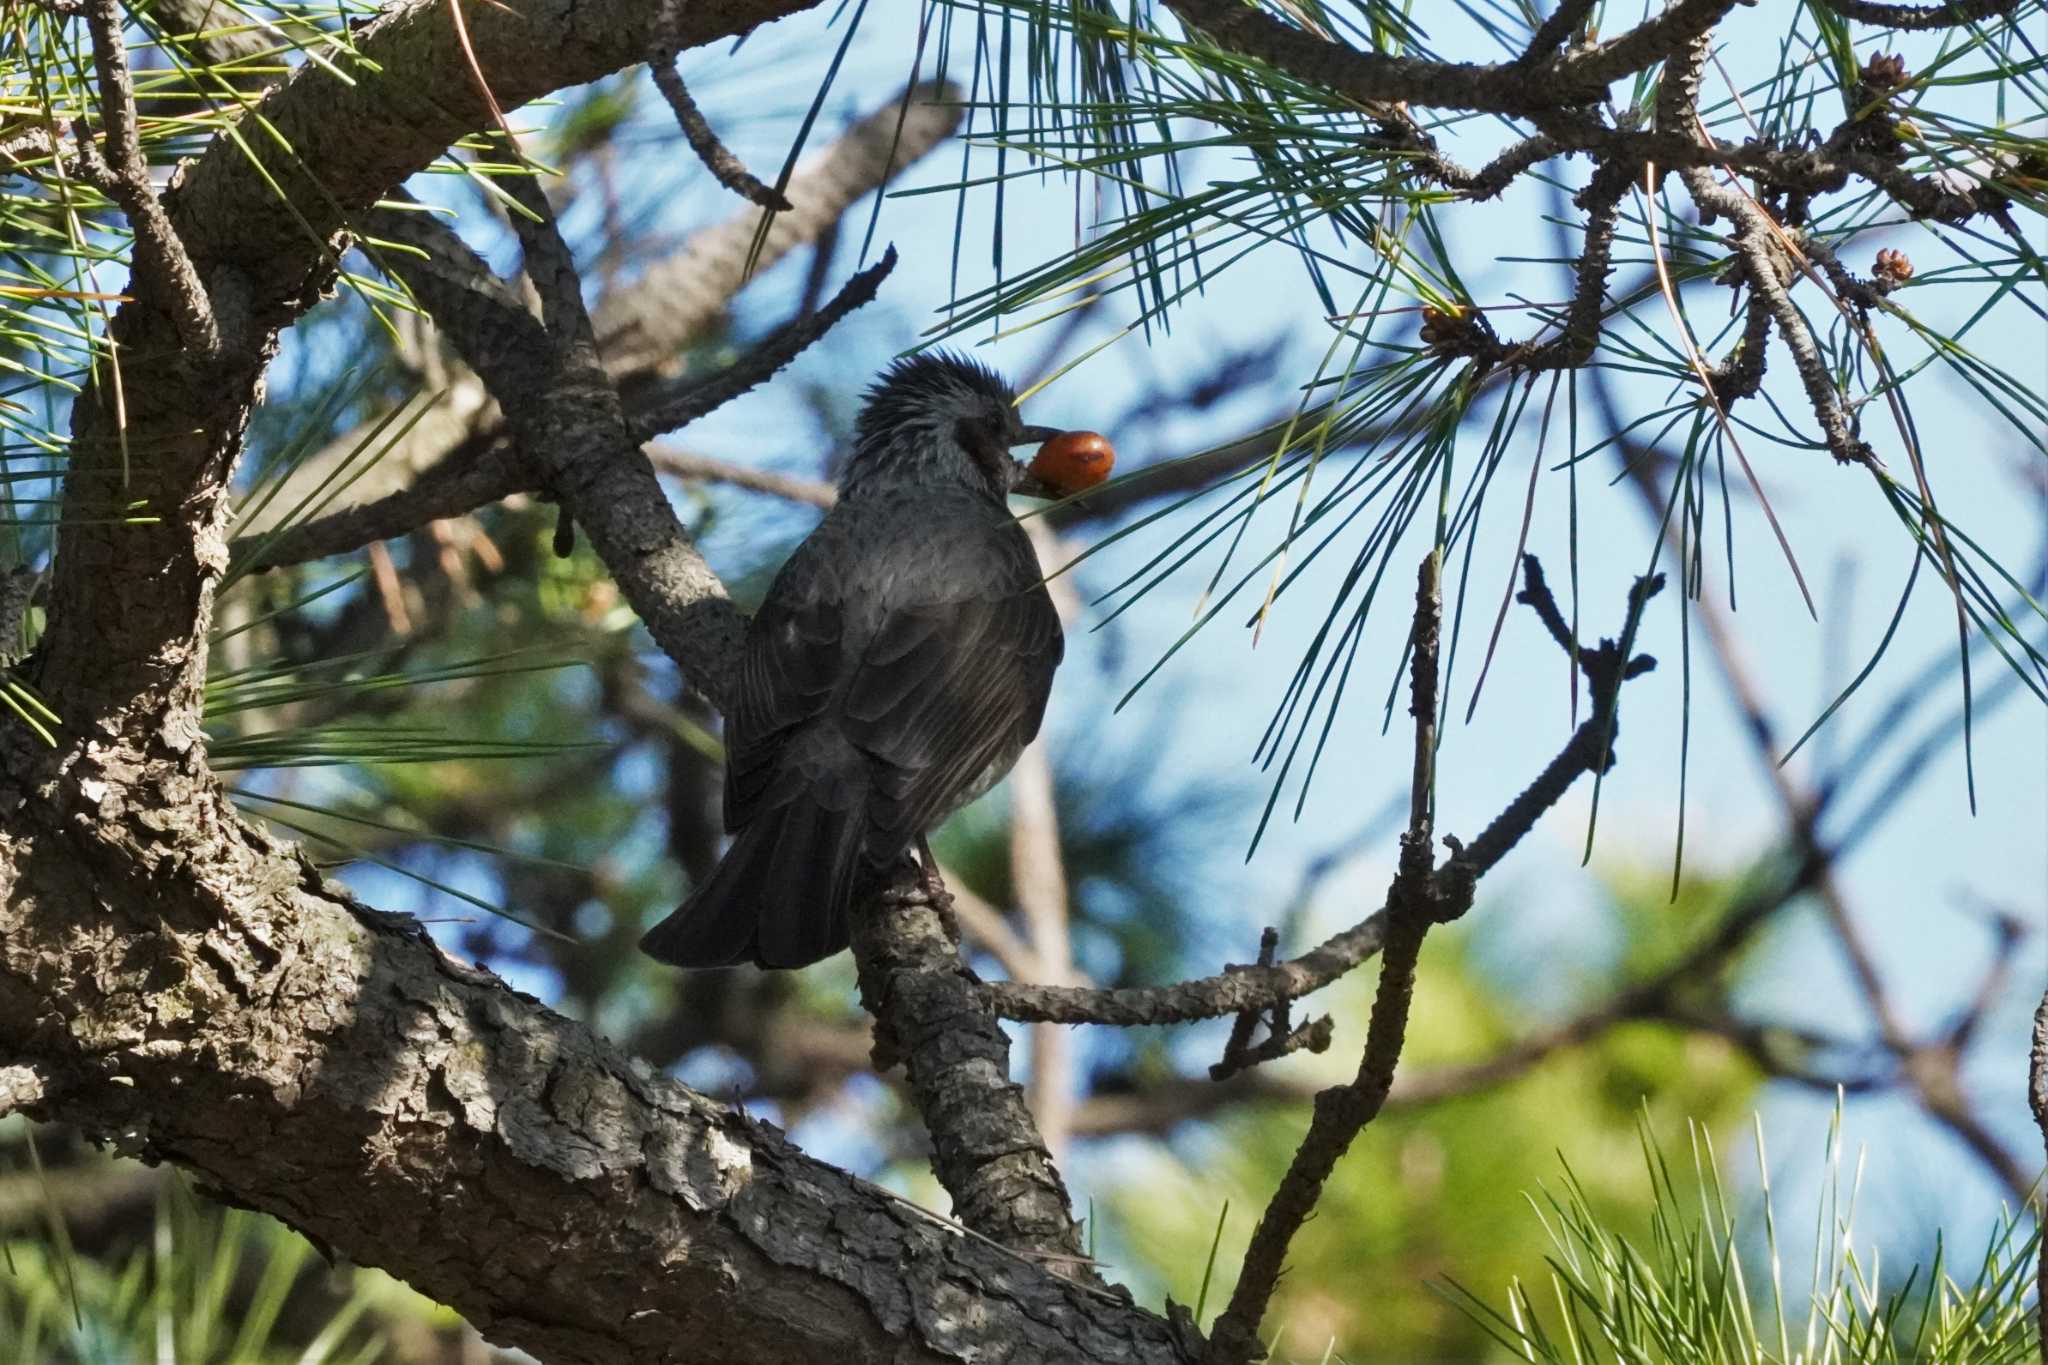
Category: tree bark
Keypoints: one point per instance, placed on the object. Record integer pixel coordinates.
(307, 1056)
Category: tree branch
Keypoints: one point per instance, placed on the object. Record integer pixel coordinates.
(1374, 78)
(163, 269)
(2037, 1100)
(929, 1015)
(570, 426)
(642, 331)
(702, 468)
(679, 405)
(238, 1015)
(1756, 242)
(1234, 991)
(1954, 13)
(1342, 1112)
(726, 168)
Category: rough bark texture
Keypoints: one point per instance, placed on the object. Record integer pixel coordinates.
(229, 1011)
(129, 594)
(931, 1015)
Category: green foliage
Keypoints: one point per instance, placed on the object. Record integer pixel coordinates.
(1684, 1295)
(210, 1285)
(1426, 1191)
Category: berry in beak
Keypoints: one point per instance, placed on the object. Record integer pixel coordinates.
(1067, 462)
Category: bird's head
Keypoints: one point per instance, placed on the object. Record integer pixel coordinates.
(939, 419)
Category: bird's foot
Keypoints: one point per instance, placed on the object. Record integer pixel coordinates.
(936, 894)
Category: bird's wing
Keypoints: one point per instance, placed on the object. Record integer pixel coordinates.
(792, 663)
(954, 679)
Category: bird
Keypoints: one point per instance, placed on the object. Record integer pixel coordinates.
(899, 664)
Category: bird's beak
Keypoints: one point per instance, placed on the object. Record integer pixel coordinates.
(1024, 483)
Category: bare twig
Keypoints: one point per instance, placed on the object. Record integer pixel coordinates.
(683, 404)
(1314, 1036)
(1241, 1028)
(1208, 997)
(1283, 1038)
(2037, 1100)
(1342, 1112)
(1756, 242)
(716, 156)
(1589, 750)
(704, 469)
(162, 264)
(1952, 14)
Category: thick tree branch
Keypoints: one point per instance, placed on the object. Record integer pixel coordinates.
(232, 1012)
(931, 1016)
(568, 421)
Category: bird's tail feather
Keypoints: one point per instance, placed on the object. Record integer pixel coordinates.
(781, 896)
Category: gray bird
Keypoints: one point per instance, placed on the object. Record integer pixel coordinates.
(900, 663)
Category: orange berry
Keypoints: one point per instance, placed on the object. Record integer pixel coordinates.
(1074, 460)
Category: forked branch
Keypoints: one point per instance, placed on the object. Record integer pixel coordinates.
(1422, 896)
